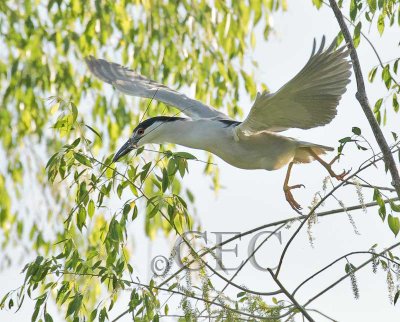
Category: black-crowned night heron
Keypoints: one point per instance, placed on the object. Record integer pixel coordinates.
(308, 100)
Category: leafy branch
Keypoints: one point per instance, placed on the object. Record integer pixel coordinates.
(362, 97)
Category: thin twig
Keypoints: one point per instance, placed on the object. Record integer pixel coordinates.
(324, 315)
(348, 274)
(337, 260)
(370, 186)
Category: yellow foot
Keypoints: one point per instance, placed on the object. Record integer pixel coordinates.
(339, 177)
(289, 196)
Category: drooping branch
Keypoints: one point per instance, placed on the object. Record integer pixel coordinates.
(362, 98)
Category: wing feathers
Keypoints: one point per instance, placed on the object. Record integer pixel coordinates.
(309, 99)
(132, 83)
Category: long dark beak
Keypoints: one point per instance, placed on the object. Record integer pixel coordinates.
(125, 149)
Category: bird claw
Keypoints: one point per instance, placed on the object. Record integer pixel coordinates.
(290, 199)
(339, 177)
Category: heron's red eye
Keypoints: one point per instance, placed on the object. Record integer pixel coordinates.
(140, 131)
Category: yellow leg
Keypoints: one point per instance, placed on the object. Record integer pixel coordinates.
(287, 190)
(328, 166)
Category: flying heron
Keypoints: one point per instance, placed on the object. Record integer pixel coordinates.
(306, 101)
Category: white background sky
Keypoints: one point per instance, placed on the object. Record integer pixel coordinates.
(253, 198)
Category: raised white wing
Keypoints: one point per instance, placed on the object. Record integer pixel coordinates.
(309, 99)
(132, 83)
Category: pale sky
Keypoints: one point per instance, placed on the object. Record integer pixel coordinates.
(253, 198)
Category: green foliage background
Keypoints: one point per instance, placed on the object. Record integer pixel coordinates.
(52, 106)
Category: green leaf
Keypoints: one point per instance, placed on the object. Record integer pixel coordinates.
(241, 294)
(10, 304)
(356, 36)
(395, 103)
(3, 300)
(74, 305)
(381, 23)
(396, 63)
(394, 224)
(145, 171)
(185, 155)
(371, 74)
(378, 105)
(317, 3)
(356, 130)
(91, 208)
(154, 211)
(382, 207)
(172, 168)
(82, 159)
(394, 207)
(346, 139)
(94, 131)
(396, 297)
(165, 180)
(127, 209)
(74, 112)
(93, 315)
(353, 10)
(35, 314)
(81, 218)
(372, 5)
(182, 166)
(48, 318)
(103, 314)
(134, 213)
(387, 78)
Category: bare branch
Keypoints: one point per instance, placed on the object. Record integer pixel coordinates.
(370, 186)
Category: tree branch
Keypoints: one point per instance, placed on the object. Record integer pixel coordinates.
(348, 274)
(247, 260)
(355, 174)
(362, 98)
(290, 297)
(337, 260)
(365, 165)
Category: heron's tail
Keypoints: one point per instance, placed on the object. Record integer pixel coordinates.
(303, 155)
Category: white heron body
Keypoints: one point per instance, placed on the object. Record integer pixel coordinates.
(261, 150)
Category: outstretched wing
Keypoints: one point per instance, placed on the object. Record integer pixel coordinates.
(132, 83)
(309, 99)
